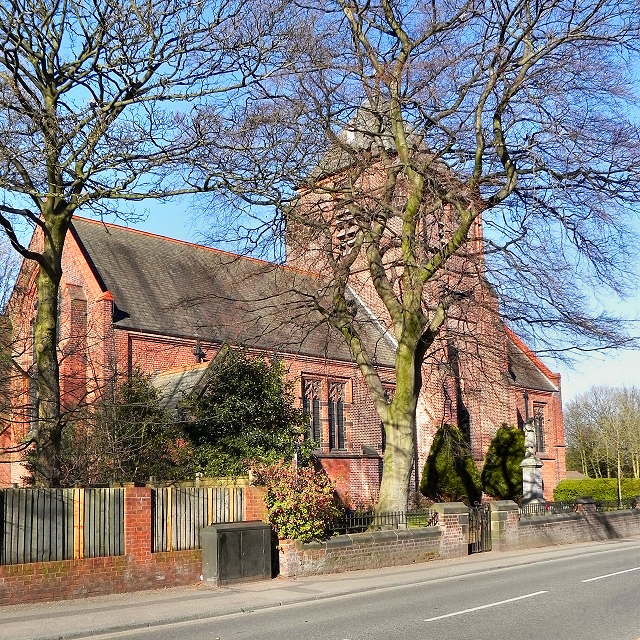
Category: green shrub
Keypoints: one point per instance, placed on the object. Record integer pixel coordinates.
(501, 474)
(450, 473)
(301, 502)
(597, 488)
(247, 412)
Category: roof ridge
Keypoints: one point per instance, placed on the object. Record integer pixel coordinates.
(284, 267)
(185, 367)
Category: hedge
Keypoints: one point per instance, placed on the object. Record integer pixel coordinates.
(597, 488)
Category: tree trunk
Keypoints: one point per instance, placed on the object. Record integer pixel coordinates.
(398, 460)
(400, 428)
(49, 428)
(619, 480)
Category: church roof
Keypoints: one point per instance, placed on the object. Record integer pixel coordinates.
(523, 371)
(175, 288)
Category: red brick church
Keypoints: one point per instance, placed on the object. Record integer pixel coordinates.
(132, 299)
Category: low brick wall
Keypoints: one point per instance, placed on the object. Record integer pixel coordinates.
(377, 549)
(511, 531)
(66, 579)
(137, 569)
(588, 525)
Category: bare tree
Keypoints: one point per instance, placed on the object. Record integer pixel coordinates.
(603, 432)
(9, 265)
(99, 100)
(463, 150)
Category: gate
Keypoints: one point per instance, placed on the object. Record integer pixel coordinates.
(479, 528)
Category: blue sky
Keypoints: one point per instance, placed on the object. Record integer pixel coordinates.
(612, 368)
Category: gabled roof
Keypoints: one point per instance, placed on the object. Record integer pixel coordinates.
(169, 287)
(525, 369)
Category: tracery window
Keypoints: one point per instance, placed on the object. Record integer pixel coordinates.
(539, 410)
(337, 434)
(311, 393)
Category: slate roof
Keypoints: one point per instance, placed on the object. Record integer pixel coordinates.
(523, 372)
(175, 288)
(173, 385)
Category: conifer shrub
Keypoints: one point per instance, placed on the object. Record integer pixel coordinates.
(501, 474)
(597, 488)
(450, 473)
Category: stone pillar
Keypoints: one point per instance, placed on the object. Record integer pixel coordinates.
(137, 523)
(586, 506)
(504, 525)
(532, 490)
(454, 516)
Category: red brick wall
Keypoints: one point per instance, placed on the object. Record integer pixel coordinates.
(254, 506)
(376, 549)
(476, 331)
(137, 569)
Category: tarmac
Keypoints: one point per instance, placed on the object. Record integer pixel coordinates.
(95, 616)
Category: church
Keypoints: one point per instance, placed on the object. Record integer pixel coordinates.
(130, 299)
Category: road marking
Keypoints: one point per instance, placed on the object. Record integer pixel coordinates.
(608, 575)
(486, 606)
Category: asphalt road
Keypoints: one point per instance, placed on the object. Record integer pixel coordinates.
(585, 595)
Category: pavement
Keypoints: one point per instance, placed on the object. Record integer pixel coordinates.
(94, 616)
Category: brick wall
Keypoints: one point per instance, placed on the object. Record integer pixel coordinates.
(380, 548)
(536, 531)
(254, 506)
(137, 569)
(509, 531)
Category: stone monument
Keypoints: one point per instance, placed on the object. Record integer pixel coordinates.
(532, 489)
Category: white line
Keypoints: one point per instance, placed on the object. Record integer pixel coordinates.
(485, 606)
(617, 573)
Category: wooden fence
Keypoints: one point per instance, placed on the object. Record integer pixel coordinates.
(179, 513)
(40, 525)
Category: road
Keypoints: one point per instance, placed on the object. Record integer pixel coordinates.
(590, 594)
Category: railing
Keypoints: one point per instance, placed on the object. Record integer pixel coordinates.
(614, 505)
(179, 513)
(359, 522)
(553, 508)
(480, 528)
(40, 525)
(546, 508)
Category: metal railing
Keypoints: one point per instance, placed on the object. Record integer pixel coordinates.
(547, 508)
(359, 522)
(614, 505)
(554, 508)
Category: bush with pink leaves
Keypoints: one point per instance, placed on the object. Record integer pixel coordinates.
(301, 501)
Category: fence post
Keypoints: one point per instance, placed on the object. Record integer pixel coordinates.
(78, 523)
(137, 522)
(169, 520)
(232, 513)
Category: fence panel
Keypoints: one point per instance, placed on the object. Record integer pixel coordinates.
(37, 525)
(179, 514)
(103, 521)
